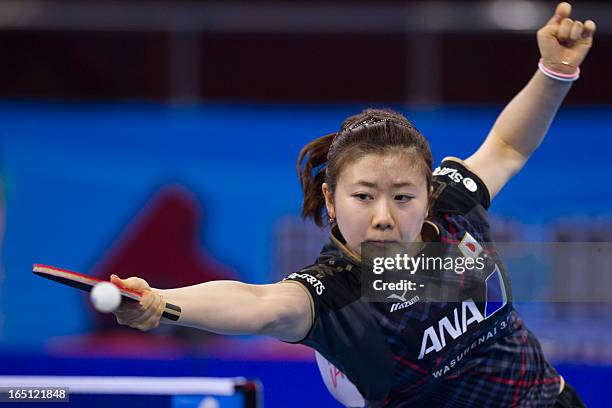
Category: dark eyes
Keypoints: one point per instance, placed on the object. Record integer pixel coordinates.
(367, 197)
(403, 197)
(362, 197)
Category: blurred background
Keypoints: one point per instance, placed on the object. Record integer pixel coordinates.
(159, 139)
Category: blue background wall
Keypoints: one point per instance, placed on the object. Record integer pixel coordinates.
(76, 173)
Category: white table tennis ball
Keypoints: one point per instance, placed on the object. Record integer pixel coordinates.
(105, 297)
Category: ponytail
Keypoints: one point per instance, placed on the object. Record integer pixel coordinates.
(311, 166)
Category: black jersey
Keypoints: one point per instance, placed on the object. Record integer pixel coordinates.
(414, 353)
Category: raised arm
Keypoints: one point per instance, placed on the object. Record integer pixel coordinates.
(279, 310)
(523, 123)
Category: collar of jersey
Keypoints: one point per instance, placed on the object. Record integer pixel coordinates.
(430, 232)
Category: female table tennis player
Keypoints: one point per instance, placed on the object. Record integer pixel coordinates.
(372, 181)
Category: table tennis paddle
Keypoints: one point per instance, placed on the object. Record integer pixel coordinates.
(86, 283)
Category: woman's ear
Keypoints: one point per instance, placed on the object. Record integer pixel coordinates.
(329, 202)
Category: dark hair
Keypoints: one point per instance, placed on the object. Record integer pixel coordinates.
(378, 131)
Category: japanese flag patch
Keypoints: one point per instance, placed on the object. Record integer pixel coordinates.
(469, 247)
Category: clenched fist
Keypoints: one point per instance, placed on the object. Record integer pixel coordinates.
(563, 42)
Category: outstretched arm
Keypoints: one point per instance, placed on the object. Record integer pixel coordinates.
(279, 310)
(523, 123)
(230, 307)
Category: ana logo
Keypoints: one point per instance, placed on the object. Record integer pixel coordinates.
(434, 337)
(470, 184)
(469, 315)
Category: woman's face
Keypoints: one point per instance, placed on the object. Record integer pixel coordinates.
(379, 198)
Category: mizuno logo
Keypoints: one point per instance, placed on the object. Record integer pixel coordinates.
(403, 305)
